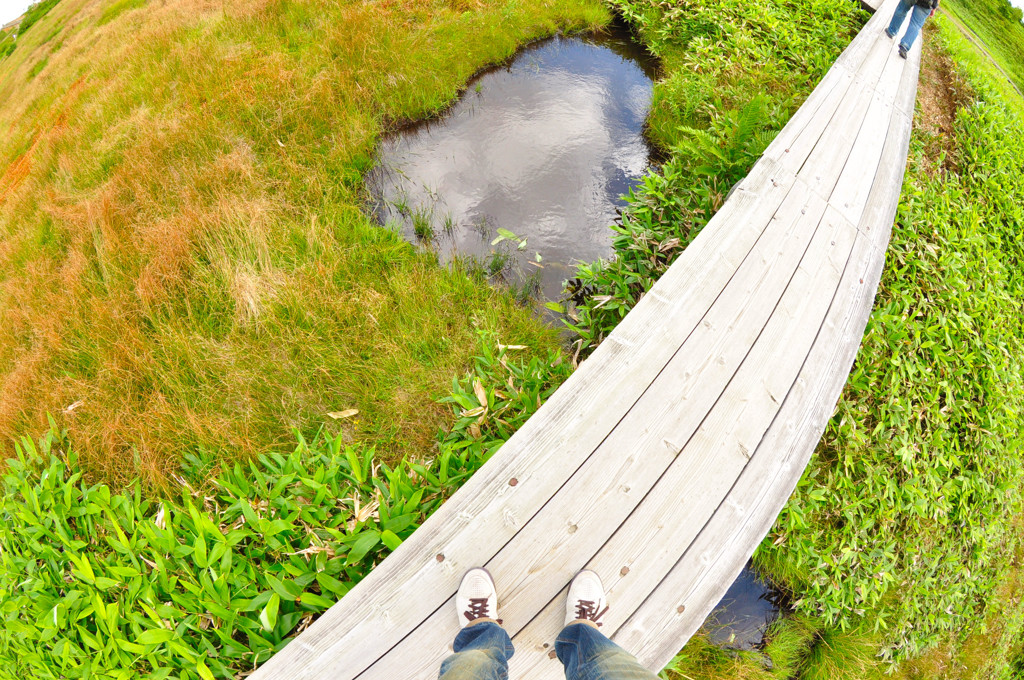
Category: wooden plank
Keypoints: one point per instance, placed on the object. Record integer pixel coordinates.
(880, 209)
(826, 162)
(794, 143)
(818, 108)
(821, 104)
(533, 567)
(851, 190)
(647, 545)
(906, 96)
(654, 632)
(852, 55)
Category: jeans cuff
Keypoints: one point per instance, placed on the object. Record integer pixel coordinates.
(482, 619)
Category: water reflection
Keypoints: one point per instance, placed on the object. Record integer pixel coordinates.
(742, 617)
(541, 149)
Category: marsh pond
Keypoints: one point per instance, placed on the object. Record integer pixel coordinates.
(525, 172)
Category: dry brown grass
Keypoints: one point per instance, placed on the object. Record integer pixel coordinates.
(183, 255)
(941, 93)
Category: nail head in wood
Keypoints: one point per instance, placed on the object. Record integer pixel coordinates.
(624, 571)
(513, 481)
(440, 557)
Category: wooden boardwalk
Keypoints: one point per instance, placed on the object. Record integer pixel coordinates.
(663, 461)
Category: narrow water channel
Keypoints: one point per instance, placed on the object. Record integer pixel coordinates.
(744, 614)
(525, 172)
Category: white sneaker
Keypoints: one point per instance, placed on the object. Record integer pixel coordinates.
(586, 601)
(477, 598)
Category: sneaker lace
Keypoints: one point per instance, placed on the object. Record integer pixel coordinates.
(477, 608)
(587, 609)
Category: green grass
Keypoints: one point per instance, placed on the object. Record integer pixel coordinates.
(718, 55)
(184, 255)
(116, 9)
(998, 24)
(7, 43)
(34, 13)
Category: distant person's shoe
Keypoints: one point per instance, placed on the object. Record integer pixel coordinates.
(903, 52)
(889, 35)
(477, 598)
(586, 600)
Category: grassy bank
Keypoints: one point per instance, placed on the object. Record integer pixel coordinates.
(184, 266)
(997, 24)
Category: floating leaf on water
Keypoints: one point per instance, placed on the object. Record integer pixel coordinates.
(504, 235)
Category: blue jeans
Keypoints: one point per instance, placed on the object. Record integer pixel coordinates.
(916, 22)
(482, 651)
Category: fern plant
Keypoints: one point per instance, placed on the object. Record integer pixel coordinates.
(732, 143)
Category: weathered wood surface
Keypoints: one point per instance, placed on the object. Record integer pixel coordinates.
(665, 458)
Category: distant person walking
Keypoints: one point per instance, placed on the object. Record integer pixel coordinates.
(922, 10)
(483, 648)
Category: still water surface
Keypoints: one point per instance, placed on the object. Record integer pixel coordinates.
(742, 617)
(543, 148)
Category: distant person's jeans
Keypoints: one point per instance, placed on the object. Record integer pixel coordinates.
(482, 651)
(916, 22)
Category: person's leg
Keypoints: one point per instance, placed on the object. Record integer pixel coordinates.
(482, 651)
(898, 16)
(482, 647)
(588, 655)
(582, 649)
(917, 20)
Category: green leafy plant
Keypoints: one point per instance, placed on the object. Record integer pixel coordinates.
(725, 151)
(104, 583)
(34, 13)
